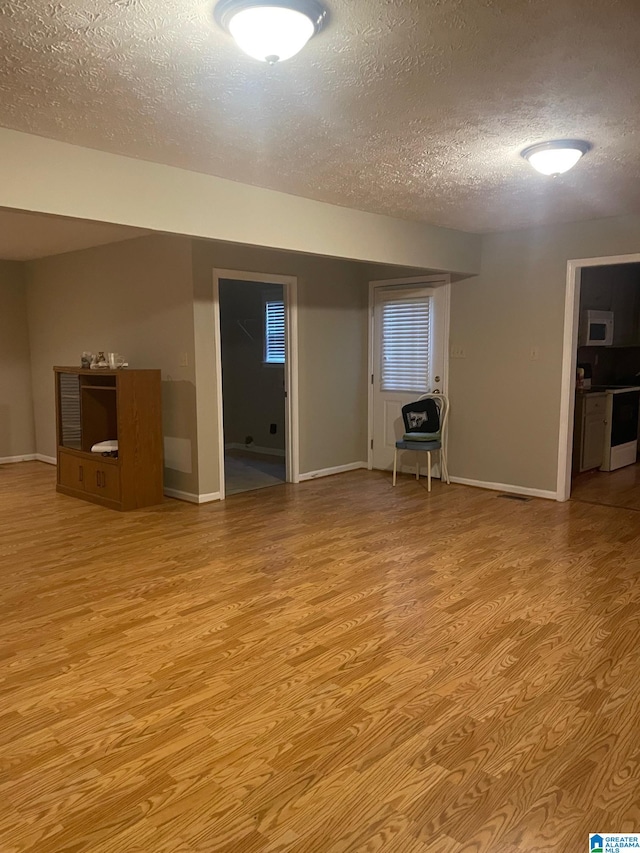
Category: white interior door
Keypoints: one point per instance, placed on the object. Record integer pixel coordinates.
(409, 359)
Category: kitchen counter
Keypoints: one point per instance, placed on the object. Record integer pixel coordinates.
(608, 389)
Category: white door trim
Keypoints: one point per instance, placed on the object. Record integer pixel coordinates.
(292, 435)
(569, 360)
(439, 280)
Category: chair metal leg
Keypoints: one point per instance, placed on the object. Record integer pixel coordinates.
(428, 470)
(395, 464)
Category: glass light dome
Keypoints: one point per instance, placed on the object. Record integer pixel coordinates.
(270, 32)
(557, 157)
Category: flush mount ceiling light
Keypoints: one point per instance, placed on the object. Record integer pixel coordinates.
(273, 30)
(554, 158)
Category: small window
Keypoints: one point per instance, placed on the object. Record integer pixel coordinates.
(274, 338)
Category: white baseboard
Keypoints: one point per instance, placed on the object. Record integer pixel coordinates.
(191, 497)
(8, 460)
(253, 448)
(209, 497)
(50, 460)
(327, 472)
(29, 457)
(505, 487)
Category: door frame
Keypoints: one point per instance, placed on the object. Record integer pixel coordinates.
(435, 280)
(569, 363)
(292, 434)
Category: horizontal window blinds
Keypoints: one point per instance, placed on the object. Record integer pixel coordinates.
(274, 349)
(406, 344)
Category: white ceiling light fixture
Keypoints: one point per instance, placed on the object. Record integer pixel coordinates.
(273, 30)
(556, 157)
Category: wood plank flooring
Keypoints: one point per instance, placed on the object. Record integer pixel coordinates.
(331, 667)
(611, 488)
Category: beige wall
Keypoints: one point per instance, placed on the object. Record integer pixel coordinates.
(332, 336)
(16, 404)
(46, 176)
(135, 298)
(505, 407)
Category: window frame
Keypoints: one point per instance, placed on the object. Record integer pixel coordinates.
(416, 299)
(266, 361)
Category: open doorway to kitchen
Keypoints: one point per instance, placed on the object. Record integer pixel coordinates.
(254, 315)
(600, 419)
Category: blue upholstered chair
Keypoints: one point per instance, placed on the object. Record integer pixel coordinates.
(425, 424)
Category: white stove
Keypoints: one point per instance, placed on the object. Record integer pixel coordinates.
(621, 419)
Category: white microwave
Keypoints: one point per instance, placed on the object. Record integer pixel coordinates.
(596, 329)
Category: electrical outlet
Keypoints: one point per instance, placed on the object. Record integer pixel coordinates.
(534, 353)
(458, 352)
(184, 359)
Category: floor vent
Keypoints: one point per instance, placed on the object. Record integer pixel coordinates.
(515, 498)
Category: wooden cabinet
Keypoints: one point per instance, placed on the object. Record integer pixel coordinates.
(71, 470)
(103, 479)
(122, 405)
(624, 304)
(93, 478)
(589, 431)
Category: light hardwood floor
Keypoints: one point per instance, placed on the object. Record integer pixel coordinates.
(612, 488)
(331, 667)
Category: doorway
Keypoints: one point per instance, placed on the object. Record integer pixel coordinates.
(408, 357)
(254, 320)
(597, 461)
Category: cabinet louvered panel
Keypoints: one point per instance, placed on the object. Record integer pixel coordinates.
(70, 411)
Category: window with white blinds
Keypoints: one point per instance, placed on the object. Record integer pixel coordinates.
(406, 344)
(274, 337)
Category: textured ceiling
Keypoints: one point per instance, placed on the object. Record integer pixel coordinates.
(26, 236)
(414, 108)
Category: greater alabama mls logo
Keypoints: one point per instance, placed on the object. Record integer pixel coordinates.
(613, 843)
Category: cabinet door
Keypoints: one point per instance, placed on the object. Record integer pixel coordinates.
(625, 309)
(72, 471)
(593, 444)
(110, 479)
(103, 480)
(595, 290)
